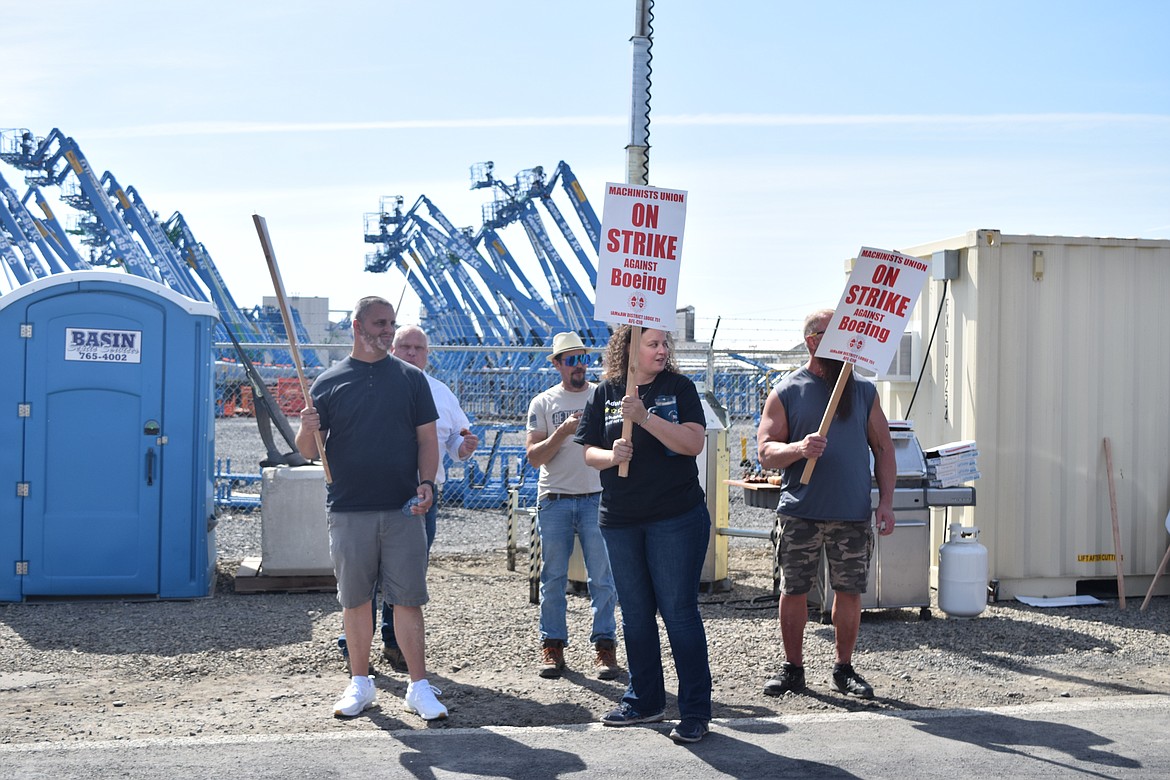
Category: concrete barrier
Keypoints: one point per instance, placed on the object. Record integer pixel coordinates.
(294, 537)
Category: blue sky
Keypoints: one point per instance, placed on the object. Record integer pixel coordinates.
(801, 131)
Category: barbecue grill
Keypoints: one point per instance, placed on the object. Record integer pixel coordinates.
(899, 574)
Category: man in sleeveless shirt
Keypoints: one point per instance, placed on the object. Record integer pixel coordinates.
(833, 512)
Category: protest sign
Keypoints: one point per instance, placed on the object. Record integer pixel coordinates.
(638, 259)
(637, 265)
(869, 320)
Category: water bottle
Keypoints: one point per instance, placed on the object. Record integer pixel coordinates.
(411, 504)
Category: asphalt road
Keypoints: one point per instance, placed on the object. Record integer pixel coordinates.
(1114, 737)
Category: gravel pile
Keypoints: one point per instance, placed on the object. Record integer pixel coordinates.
(267, 663)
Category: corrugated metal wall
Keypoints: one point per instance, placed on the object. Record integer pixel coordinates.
(1038, 358)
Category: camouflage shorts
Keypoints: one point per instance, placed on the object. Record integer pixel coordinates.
(848, 547)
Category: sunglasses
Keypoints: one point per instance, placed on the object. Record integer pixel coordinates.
(576, 360)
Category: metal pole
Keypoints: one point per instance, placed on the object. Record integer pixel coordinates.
(638, 162)
(638, 149)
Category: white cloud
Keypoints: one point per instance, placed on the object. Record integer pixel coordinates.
(253, 128)
(221, 128)
(854, 120)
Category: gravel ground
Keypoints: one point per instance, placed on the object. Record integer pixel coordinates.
(267, 663)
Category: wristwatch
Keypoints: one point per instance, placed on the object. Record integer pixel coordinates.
(434, 489)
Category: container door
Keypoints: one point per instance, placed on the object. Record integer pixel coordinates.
(94, 376)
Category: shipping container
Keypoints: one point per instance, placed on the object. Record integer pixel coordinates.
(1044, 347)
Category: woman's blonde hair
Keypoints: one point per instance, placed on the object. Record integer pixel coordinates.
(615, 363)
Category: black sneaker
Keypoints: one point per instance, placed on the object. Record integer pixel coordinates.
(394, 655)
(625, 715)
(689, 730)
(849, 682)
(791, 678)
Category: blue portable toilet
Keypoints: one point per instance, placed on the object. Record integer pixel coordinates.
(108, 440)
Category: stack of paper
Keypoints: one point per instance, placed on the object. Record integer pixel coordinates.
(952, 464)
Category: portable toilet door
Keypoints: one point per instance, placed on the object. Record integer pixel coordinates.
(92, 521)
(96, 390)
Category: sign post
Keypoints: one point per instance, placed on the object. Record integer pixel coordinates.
(638, 265)
(289, 329)
(869, 320)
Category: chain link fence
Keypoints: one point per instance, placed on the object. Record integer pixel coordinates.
(494, 387)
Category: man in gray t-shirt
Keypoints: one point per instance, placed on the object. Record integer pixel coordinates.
(569, 501)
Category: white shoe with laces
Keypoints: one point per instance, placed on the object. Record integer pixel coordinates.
(359, 696)
(420, 699)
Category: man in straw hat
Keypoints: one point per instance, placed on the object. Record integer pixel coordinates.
(569, 499)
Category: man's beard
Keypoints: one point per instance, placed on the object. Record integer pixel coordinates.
(378, 343)
(577, 381)
(831, 371)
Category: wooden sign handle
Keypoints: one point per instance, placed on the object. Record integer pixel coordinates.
(1158, 573)
(827, 420)
(290, 331)
(631, 387)
(1116, 528)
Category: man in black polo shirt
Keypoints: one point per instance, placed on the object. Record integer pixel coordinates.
(378, 419)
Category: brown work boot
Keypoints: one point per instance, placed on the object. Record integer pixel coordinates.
(605, 664)
(552, 657)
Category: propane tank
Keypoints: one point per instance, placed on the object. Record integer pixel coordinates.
(962, 573)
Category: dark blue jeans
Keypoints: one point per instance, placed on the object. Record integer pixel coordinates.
(656, 567)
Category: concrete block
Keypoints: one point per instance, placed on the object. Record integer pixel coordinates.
(294, 536)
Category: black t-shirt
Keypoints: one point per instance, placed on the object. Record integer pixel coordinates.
(661, 484)
(369, 412)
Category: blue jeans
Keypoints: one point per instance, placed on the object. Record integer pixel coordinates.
(657, 567)
(558, 522)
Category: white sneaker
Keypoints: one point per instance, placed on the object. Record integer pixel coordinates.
(360, 695)
(420, 699)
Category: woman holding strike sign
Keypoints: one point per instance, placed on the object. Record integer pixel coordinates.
(655, 523)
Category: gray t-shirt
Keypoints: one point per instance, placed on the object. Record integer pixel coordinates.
(566, 471)
(840, 485)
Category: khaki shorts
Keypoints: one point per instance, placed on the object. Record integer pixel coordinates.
(386, 549)
(848, 547)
